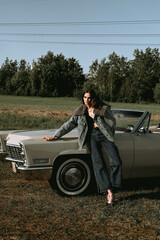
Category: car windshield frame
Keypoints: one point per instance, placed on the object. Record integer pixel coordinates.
(131, 113)
(140, 123)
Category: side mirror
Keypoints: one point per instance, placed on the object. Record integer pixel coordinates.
(142, 130)
(130, 128)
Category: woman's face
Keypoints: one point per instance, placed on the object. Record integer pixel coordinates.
(87, 99)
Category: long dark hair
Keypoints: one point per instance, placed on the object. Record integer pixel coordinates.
(95, 102)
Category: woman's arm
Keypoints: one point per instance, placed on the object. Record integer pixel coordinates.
(64, 129)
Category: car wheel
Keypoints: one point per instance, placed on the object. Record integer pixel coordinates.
(72, 176)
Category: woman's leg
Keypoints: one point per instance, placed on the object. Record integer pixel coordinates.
(99, 166)
(109, 196)
(115, 162)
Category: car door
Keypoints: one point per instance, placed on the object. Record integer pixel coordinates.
(147, 155)
(124, 142)
(147, 150)
(126, 122)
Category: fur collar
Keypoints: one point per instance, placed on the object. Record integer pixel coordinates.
(81, 110)
(102, 111)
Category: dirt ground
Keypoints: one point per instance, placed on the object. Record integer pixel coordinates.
(30, 209)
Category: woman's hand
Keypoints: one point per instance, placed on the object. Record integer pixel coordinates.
(50, 138)
(95, 125)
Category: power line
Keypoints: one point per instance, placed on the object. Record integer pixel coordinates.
(84, 43)
(79, 23)
(82, 35)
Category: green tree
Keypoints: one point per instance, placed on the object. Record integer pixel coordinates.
(47, 75)
(56, 76)
(157, 93)
(98, 78)
(107, 77)
(35, 79)
(144, 74)
(21, 80)
(118, 72)
(62, 86)
(75, 76)
(7, 71)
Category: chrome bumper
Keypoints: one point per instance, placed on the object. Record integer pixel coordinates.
(23, 168)
(14, 160)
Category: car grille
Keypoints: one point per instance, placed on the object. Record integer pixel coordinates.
(14, 152)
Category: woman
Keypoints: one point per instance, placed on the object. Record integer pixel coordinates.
(96, 127)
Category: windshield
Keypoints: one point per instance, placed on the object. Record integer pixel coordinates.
(126, 119)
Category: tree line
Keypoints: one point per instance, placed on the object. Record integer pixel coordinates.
(114, 79)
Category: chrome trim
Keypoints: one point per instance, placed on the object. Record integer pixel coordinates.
(14, 160)
(14, 152)
(40, 160)
(33, 168)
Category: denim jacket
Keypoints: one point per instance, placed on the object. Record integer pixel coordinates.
(102, 117)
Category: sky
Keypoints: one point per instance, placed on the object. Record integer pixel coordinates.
(84, 29)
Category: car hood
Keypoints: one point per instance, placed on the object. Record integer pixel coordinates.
(15, 138)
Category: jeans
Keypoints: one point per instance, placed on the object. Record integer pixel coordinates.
(105, 181)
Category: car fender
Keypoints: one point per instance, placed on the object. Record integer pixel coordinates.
(74, 152)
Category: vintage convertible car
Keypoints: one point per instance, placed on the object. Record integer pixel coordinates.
(72, 173)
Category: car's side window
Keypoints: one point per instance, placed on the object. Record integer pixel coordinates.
(126, 120)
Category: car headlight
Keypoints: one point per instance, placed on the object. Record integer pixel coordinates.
(22, 153)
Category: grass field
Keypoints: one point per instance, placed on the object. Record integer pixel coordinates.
(42, 113)
(40, 103)
(30, 209)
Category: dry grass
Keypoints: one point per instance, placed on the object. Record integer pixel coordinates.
(37, 113)
(19, 118)
(155, 117)
(49, 113)
(30, 209)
